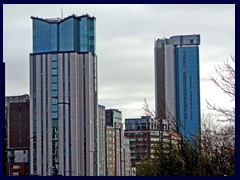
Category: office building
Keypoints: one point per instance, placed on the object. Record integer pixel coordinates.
(18, 121)
(64, 99)
(114, 142)
(177, 85)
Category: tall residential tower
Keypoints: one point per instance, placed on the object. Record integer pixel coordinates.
(177, 86)
(63, 97)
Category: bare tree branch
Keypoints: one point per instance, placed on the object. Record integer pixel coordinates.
(147, 110)
(225, 80)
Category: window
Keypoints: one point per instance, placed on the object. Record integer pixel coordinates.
(54, 115)
(54, 108)
(54, 71)
(54, 56)
(54, 93)
(54, 86)
(54, 79)
(15, 174)
(16, 167)
(54, 64)
(54, 101)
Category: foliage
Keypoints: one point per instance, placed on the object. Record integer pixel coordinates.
(177, 160)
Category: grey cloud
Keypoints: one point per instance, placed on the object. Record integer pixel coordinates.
(125, 42)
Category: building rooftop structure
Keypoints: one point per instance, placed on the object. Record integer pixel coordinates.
(59, 20)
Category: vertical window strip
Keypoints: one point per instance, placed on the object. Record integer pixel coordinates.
(64, 116)
(34, 116)
(54, 66)
(69, 118)
(41, 63)
(191, 97)
(184, 85)
(95, 110)
(46, 69)
(84, 116)
(19, 124)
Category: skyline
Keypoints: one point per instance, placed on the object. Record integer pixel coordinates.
(125, 47)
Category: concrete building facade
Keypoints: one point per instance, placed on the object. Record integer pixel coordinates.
(143, 134)
(114, 140)
(63, 91)
(101, 141)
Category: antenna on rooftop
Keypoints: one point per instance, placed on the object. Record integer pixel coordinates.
(61, 13)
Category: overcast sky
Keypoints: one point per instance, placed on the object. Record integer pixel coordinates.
(125, 46)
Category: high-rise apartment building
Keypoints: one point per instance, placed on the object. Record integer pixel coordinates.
(114, 142)
(177, 85)
(143, 134)
(63, 92)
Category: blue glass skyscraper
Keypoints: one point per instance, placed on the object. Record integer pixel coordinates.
(63, 91)
(177, 85)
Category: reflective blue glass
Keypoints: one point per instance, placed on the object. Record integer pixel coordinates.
(54, 71)
(54, 57)
(54, 107)
(83, 34)
(54, 93)
(54, 64)
(54, 37)
(41, 36)
(54, 101)
(66, 35)
(54, 115)
(54, 79)
(187, 90)
(70, 34)
(87, 35)
(54, 86)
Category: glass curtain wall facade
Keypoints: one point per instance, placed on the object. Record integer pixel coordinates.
(177, 85)
(63, 92)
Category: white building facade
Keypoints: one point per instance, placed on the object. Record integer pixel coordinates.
(63, 92)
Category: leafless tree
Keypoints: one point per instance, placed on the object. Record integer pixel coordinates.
(147, 110)
(225, 80)
(218, 132)
(218, 143)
